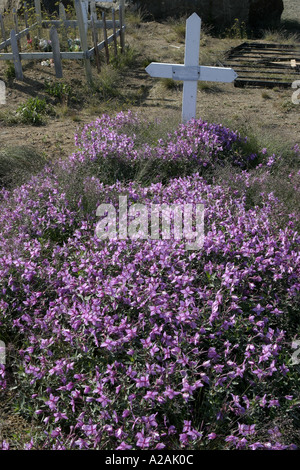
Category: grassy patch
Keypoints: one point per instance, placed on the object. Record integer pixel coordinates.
(60, 90)
(33, 111)
(18, 163)
(170, 84)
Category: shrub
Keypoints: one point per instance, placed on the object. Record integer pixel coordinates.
(60, 90)
(10, 72)
(18, 164)
(122, 60)
(140, 343)
(33, 111)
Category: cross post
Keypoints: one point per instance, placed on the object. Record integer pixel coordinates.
(190, 72)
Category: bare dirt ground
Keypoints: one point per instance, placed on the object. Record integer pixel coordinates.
(270, 114)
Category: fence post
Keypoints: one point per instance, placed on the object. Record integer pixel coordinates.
(26, 20)
(105, 37)
(62, 16)
(16, 57)
(114, 31)
(94, 17)
(83, 40)
(121, 18)
(15, 16)
(56, 52)
(38, 13)
(85, 14)
(95, 44)
(3, 31)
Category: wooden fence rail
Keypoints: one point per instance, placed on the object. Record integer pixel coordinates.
(82, 23)
(24, 32)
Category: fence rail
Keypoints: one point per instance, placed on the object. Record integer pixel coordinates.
(19, 35)
(83, 23)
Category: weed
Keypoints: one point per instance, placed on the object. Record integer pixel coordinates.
(237, 30)
(204, 86)
(170, 84)
(288, 106)
(179, 29)
(60, 90)
(146, 61)
(134, 18)
(280, 36)
(17, 164)
(106, 85)
(75, 117)
(10, 72)
(33, 110)
(265, 95)
(125, 59)
(8, 118)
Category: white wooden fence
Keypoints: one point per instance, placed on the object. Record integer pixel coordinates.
(85, 21)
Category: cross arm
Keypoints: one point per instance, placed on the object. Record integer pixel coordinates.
(191, 73)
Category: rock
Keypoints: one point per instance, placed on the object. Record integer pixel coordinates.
(221, 13)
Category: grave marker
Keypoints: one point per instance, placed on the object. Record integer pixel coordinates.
(191, 72)
(2, 94)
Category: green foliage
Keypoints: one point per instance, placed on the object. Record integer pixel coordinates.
(33, 111)
(10, 72)
(106, 85)
(60, 90)
(145, 62)
(205, 86)
(17, 164)
(179, 26)
(125, 59)
(265, 95)
(170, 84)
(237, 30)
(134, 18)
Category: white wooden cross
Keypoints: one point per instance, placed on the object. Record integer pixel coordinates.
(190, 73)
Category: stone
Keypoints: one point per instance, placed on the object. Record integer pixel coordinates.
(221, 13)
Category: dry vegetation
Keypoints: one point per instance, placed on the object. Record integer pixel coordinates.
(125, 85)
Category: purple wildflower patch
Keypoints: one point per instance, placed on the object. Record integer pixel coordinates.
(141, 344)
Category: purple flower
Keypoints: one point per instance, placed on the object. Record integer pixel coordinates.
(142, 441)
(258, 309)
(52, 402)
(142, 381)
(124, 446)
